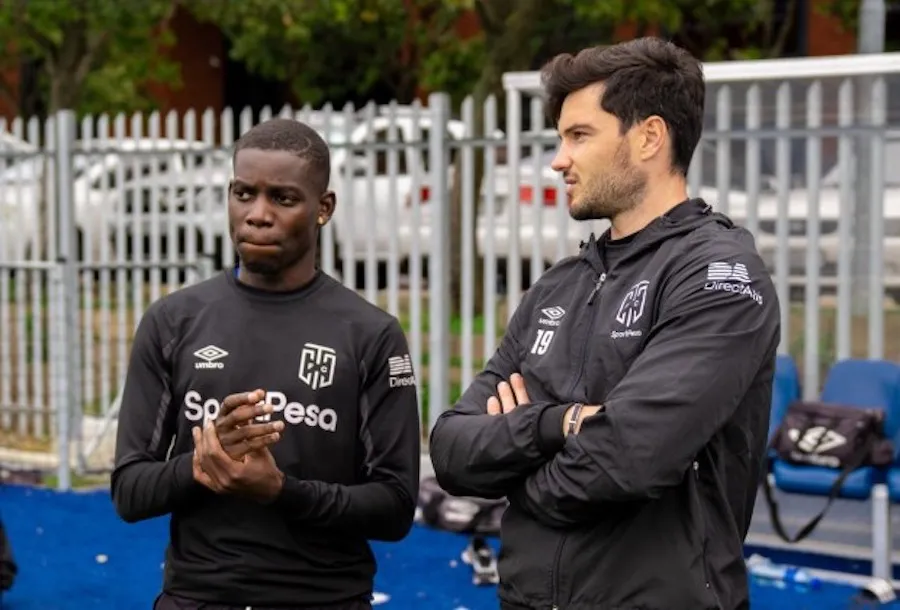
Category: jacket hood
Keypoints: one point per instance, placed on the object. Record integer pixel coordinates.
(683, 218)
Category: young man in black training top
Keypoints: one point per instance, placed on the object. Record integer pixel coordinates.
(625, 412)
(271, 412)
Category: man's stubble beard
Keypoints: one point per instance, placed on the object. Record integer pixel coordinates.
(616, 191)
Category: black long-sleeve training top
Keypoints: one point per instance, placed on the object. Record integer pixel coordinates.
(675, 333)
(338, 372)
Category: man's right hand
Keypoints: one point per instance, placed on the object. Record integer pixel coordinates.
(512, 394)
(236, 429)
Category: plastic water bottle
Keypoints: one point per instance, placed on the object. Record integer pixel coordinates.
(781, 575)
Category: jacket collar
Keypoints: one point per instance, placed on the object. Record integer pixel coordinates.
(682, 218)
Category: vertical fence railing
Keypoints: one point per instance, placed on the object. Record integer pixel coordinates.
(813, 174)
(68, 374)
(876, 218)
(439, 259)
(467, 243)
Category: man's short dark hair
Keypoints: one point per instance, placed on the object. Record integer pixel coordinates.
(641, 78)
(291, 136)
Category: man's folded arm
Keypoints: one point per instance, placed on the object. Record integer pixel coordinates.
(701, 358)
(481, 455)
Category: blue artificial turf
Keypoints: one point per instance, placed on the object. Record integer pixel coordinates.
(74, 553)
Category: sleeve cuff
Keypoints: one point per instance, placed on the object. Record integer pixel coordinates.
(293, 495)
(550, 437)
(184, 473)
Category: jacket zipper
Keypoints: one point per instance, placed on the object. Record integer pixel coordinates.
(595, 292)
(597, 286)
(556, 559)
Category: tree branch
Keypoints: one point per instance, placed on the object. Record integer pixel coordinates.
(768, 24)
(777, 48)
(488, 21)
(87, 60)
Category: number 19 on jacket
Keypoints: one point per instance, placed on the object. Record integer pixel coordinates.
(542, 341)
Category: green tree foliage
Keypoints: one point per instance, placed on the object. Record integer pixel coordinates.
(712, 30)
(846, 12)
(336, 50)
(92, 55)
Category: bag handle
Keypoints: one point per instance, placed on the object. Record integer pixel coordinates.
(859, 458)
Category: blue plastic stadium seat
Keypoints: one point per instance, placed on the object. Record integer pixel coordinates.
(893, 482)
(852, 383)
(817, 481)
(785, 390)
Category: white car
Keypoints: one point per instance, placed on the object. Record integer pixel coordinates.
(377, 190)
(14, 152)
(546, 231)
(558, 235)
(103, 183)
(182, 215)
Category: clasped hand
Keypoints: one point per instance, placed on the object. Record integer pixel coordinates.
(511, 395)
(231, 453)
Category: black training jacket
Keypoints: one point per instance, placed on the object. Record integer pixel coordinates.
(337, 370)
(648, 506)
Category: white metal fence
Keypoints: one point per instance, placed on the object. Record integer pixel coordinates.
(100, 217)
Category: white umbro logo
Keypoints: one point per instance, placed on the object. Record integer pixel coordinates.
(726, 272)
(554, 313)
(551, 316)
(210, 355)
(400, 371)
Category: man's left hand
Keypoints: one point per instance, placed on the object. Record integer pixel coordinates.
(256, 476)
(511, 395)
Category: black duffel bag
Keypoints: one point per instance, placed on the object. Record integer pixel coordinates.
(467, 515)
(833, 436)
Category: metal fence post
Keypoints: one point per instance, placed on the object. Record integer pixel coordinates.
(513, 158)
(67, 408)
(439, 260)
(871, 40)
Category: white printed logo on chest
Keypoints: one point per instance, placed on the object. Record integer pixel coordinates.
(630, 311)
(317, 364)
